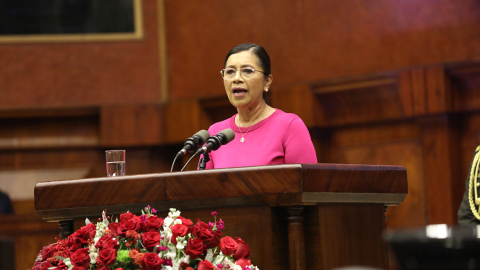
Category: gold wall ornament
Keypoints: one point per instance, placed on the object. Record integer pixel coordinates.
(474, 184)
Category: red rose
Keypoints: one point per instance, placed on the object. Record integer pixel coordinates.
(194, 248)
(228, 245)
(135, 224)
(243, 250)
(178, 230)
(107, 256)
(202, 231)
(126, 216)
(48, 252)
(73, 243)
(243, 262)
(205, 265)
(150, 240)
(81, 258)
(111, 244)
(62, 266)
(85, 233)
(186, 222)
(104, 239)
(114, 228)
(151, 261)
(77, 268)
(215, 241)
(153, 223)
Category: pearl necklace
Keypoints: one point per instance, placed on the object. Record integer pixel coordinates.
(243, 138)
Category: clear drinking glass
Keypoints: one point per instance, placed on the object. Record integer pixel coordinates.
(115, 162)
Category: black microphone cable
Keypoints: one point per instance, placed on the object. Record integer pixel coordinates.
(188, 162)
(173, 163)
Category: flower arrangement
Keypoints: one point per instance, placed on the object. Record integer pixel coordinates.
(147, 242)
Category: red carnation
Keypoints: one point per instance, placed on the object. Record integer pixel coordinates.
(131, 234)
(138, 258)
(44, 265)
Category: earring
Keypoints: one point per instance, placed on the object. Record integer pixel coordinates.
(266, 90)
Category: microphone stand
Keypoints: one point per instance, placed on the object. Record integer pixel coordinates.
(203, 161)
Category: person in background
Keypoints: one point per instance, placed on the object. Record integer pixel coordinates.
(468, 213)
(263, 135)
(6, 207)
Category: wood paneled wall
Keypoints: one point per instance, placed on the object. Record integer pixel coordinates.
(316, 40)
(392, 82)
(73, 74)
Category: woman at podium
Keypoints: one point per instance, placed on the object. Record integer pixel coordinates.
(263, 135)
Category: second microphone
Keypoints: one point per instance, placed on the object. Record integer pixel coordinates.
(214, 142)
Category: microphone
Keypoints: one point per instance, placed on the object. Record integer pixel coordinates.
(194, 142)
(214, 142)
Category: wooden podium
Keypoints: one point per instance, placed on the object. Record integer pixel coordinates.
(293, 216)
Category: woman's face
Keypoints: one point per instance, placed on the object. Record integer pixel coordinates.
(245, 93)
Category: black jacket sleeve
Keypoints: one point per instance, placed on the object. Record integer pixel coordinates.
(5, 204)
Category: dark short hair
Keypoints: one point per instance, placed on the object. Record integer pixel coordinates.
(259, 51)
(262, 55)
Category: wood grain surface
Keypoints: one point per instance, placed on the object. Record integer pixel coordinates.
(274, 185)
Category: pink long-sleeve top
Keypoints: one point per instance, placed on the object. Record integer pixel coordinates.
(281, 138)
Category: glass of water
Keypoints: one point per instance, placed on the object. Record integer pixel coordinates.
(115, 162)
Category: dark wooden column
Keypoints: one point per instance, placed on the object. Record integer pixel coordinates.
(67, 228)
(443, 184)
(296, 239)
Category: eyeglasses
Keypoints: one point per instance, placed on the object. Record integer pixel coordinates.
(245, 72)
